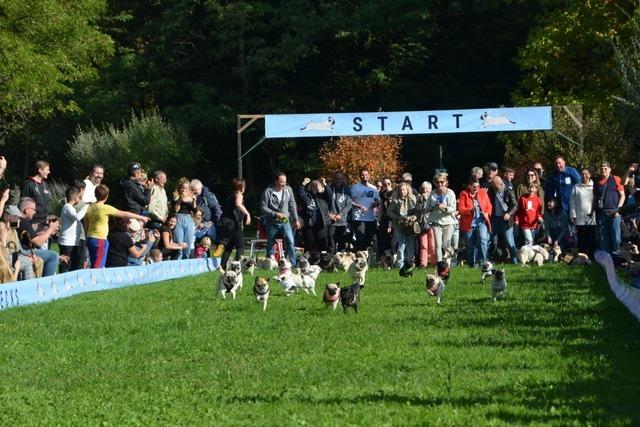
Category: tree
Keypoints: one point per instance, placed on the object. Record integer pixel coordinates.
(379, 154)
(46, 46)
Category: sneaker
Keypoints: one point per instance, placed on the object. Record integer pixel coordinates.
(217, 252)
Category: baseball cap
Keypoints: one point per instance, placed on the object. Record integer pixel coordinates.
(134, 166)
(407, 176)
(605, 163)
(492, 165)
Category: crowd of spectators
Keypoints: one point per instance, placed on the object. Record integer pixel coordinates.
(497, 212)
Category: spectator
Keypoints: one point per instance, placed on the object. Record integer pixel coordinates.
(278, 209)
(477, 172)
(208, 201)
(582, 215)
(202, 228)
(561, 183)
(35, 187)
(234, 217)
(202, 248)
(136, 195)
(531, 177)
(475, 210)
(96, 174)
(170, 249)
(507, 177)
(33, 235)
(384, 227)
(631, 181)
(155, 255)
(122, 250)
(315, 218)
(426, 240)
(184, 204)
(556, 224)
(158, 201)
(71, 232)
(608, 198)
(441, 206)
(529, 213)
(340, 207)
(504, 206)
(98, 226)
(490, 172)
(408, 178)
(402, 213)
(365, 199)
(537, 166)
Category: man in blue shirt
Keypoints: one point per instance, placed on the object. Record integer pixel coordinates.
(561, 183)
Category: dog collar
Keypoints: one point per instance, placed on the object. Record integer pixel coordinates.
(285, 270)
(331, 298)
(257, 292)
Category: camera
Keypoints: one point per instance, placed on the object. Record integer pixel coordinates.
(13, 220)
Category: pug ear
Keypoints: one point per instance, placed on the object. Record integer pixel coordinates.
(338, 284)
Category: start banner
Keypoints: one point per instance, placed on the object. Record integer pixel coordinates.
(408, 122)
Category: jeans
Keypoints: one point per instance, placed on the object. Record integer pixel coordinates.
(50, 259)
(529, 235)
(185, 232)
(442, 235)
(406, 247)
(608, 231)
(273, 229)
(477, 244)
(504, 230)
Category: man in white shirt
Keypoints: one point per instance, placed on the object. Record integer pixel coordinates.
(91, 182)
(365, 199)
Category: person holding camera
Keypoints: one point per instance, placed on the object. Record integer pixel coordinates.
(184, 205)
(34, 235)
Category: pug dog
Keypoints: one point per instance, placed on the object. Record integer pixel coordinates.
(534, 254)
(487, 269)
(284, 266)
(248, 265)
(388, 259)
(288, 285)
(575, 258)
(363, 254)
(358, 270)
(406, 270)
(268, 263)
(499, 284)
(331, 296)
(344, 259)
(434, 287)
(443, 268)
(261, 291)
(350, 297)
(228, 283)
(327, 262)
(236, 267)
(306, 268)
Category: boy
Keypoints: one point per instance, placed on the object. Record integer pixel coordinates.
(98, 226)
(71, 231)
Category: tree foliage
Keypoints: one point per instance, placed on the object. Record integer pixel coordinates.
(379, 154)
(46, 47)
(147, 139)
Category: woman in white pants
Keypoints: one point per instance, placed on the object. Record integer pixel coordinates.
(441, 206)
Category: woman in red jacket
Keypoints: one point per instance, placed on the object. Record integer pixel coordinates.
(475, 210)
(529, 214)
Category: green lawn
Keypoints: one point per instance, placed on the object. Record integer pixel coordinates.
(559, 350)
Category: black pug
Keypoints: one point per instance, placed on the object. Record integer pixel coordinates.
(327, 262)
(314, 258)
(407, 269)
(350, 297)
(444, 271)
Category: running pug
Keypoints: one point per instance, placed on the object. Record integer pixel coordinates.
(350, 297)
(261, 291)
(228, 283)
(358, 270)
(435, 285)
(499, 284)
(331, 296)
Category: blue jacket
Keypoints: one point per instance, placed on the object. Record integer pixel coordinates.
(209, 204)
(561, 185)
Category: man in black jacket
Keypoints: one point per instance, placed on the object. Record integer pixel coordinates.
(136, 195)
(504, 205)
(35, 187)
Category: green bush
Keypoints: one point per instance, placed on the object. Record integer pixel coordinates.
(147, 139)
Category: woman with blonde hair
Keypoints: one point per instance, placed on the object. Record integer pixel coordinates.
(184, 205)
(426, 240)
(441, 206)
(402, 212)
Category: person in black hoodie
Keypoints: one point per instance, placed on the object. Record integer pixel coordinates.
(340, 208)
(316, 214)
(136, 195)
(504, 204)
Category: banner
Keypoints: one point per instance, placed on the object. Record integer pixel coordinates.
(408, 122)
(98, 279)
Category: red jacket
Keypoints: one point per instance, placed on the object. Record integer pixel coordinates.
(529, 212)
(466, 208)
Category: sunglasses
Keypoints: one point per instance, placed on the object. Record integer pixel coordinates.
(441, 182)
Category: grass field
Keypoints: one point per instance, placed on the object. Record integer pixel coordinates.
(558, 350)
